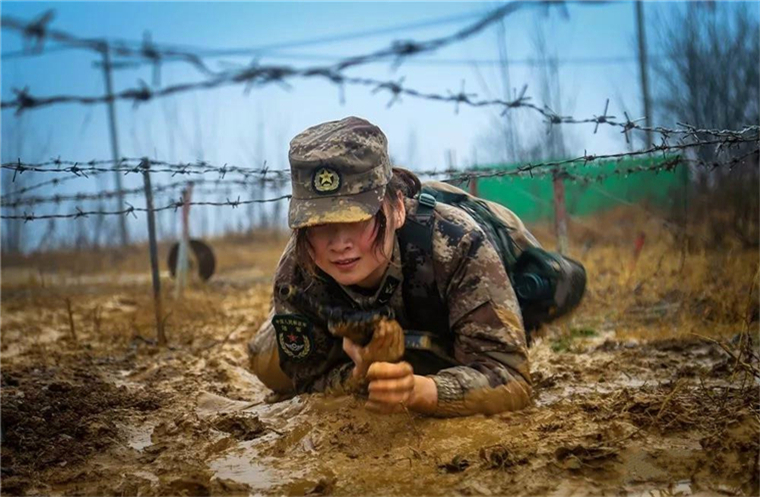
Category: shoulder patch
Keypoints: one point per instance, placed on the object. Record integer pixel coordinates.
(295, 338)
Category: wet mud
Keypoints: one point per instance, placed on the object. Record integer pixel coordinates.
(616, 410)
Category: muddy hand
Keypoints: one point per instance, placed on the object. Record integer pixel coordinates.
(387, 345)
(391, 387)
(359, 331)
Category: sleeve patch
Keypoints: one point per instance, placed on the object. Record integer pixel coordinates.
(295, 338)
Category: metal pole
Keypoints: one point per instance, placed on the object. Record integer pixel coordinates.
(114, 141)
(643, 68)
(560, 213)
(153, 253)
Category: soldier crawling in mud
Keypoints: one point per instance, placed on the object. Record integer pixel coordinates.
(400, 292)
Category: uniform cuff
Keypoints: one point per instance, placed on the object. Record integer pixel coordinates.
(450, 395)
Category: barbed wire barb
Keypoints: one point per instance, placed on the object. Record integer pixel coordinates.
(564, 168)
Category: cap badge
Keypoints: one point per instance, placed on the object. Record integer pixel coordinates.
(326, 180)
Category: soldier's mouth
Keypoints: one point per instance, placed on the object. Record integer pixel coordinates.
(346, 263)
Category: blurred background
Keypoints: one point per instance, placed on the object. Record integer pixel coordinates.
(646, 63)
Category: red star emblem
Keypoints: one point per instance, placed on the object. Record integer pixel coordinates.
(292, 338)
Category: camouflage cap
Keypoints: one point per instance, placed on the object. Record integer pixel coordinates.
(339, 170)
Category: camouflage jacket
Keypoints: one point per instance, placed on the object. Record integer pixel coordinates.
(482, 331)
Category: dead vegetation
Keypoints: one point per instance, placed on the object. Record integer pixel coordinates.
(650, 387)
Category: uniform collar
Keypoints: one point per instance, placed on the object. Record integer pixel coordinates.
(391, 281)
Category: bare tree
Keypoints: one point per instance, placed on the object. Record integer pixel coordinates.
(502, 141)
(549, 89)
(412, 157)
(253, 158)
(281, 144)
(708, 76)
(708, 73)
(19, 142)
(534, 141)
(261, 152)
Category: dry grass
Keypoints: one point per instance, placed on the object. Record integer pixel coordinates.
(677, 287)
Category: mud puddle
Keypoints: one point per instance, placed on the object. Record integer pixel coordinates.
(110, 413)
(641, 430)
(635, 435)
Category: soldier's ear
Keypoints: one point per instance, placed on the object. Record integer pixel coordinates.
(399, 212)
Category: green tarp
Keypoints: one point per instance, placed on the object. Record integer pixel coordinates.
(533, 199)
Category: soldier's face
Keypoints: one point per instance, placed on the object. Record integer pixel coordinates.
(347, 253)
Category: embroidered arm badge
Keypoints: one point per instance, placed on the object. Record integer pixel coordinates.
(295, 337)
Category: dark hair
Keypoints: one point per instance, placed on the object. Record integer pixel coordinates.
(403, 184)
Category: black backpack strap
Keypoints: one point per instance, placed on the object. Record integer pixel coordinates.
(423, 303)
(418, 228)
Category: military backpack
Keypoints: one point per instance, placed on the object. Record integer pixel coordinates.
(547, 284)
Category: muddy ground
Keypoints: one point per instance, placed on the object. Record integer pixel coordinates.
(649, 389)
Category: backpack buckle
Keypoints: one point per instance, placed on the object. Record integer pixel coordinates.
(425, 206)
(427, 200)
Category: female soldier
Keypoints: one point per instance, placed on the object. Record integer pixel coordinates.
(364, 241)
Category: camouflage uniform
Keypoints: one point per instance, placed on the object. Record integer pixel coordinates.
(483, 331)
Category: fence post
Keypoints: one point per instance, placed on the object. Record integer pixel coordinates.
(153, 253)
(472, 187)
(560, 213)
(184, 244)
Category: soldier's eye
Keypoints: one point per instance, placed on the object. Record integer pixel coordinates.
(317, 230)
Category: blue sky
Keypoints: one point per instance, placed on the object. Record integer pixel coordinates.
(228, 126)
(236, 116)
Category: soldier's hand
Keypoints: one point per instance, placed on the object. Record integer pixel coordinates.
(391, 386)
(387, 345)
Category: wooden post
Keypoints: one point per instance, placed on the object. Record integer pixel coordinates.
(472, 187)
(72, 329)
(153, 253)
(560, 213)
(184, 244)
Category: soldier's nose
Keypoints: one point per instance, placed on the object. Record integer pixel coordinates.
(341, 241)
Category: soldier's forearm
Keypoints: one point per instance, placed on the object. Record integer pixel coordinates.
(456, 400)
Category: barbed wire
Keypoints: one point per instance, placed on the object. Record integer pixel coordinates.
(218, 186)
(528, 169)
(43, 184)
(226, 186)
(60, 198)
(135, 166)
(261, 75)
(131, 210)
(260, 50)
(667, 165)
(38, 31)
(554, 169)
(397, 90)
(726, 140)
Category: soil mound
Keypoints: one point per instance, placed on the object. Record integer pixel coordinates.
(56, 417)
